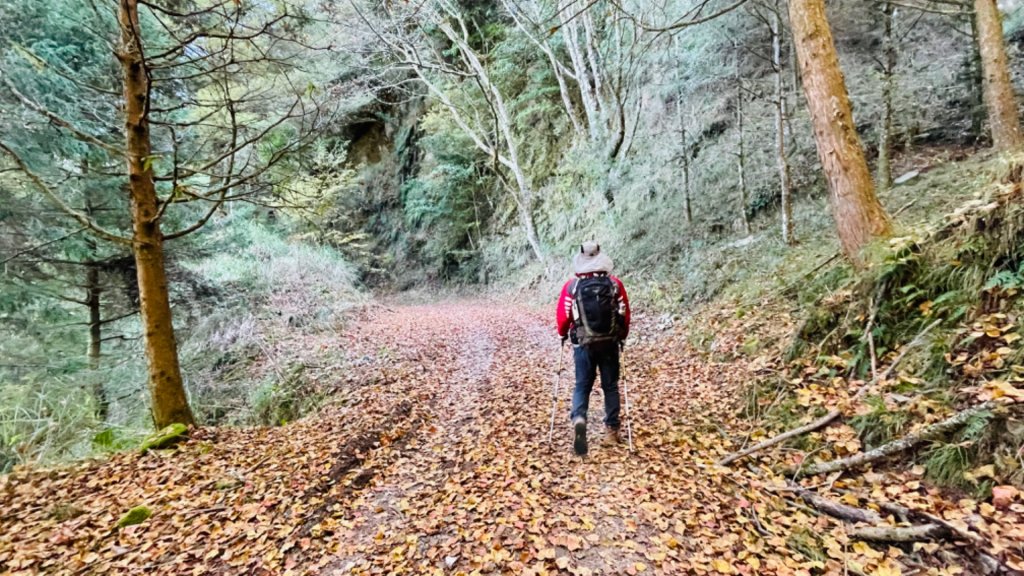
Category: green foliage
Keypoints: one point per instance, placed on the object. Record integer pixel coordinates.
(114, 439)
(286, 397)
(881, 424)
(945, 464)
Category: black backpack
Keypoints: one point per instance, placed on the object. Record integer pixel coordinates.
(596, 310)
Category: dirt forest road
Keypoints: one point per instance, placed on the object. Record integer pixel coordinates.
(476, 487)
(431, 458)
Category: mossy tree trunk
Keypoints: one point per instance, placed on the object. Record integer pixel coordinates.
(858, 214)
(169, 404)
(1003, 115)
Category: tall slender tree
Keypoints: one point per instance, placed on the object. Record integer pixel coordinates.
(889, 61)
(781, 118)
(199, 129)
(1003, 114)
(169, 403)
(858, 214)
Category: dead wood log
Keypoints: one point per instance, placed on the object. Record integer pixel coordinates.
(833, 508)
(927, 433)
(933, 529)
(897, 534)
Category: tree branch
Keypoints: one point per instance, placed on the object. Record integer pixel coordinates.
(80, 217)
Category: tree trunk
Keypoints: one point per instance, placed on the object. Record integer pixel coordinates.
(595, 63)
(785, 180)
(858, 215)
(531, 235)
(92, 300)
(570, 33)
(884, 176)
(975, 78)
(1003, 117)
(741, 157)
(686, 160)
(168, 401)
(563, 89)
(684, 145)
(93, 292)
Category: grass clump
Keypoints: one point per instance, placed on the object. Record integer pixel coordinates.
(880, 424)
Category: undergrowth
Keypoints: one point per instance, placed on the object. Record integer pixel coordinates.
(948, 282)
(241, 345)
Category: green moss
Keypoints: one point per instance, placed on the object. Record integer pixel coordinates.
(136, 515)
(164, 438)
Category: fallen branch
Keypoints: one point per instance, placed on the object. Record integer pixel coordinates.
(835, 509)
(833, 415)
(905, 512)
(933, 529)
(927, 433)
(917, 533)
(976, 541)
(817, 424)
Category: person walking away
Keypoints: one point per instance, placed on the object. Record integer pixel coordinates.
(593, 312)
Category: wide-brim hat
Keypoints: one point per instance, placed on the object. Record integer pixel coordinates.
(590, 260)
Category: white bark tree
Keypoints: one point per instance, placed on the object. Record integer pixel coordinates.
(403, 30)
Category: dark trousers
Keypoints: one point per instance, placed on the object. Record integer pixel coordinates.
(603, 357)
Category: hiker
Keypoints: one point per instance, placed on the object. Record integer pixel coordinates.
(593, 311)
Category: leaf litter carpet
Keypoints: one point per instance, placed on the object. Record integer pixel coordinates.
(433, 458)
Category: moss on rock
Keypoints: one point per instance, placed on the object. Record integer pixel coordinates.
(168, 436)
(136, 515)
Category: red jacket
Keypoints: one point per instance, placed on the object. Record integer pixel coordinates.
(564, 313)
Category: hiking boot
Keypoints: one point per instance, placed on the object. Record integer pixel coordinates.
(611, 436)
(579, 443)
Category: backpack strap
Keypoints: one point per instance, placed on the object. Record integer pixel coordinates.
(573, 285)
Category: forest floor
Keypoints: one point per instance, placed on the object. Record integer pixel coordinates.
(433, 458)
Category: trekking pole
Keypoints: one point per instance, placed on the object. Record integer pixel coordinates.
(554, 396)
(625, 399)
